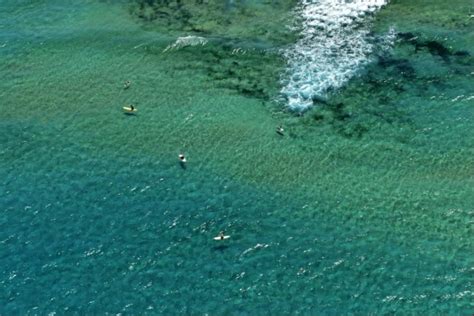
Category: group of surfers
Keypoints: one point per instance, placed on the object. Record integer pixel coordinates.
(182, 159)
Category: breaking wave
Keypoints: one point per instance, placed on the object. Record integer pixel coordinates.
(335, 43)
(185, 41)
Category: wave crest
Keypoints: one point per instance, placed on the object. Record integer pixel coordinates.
(185, 41)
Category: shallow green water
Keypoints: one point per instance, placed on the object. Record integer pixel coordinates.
(363, 207)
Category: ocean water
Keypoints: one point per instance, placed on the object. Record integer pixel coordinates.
(364, 206)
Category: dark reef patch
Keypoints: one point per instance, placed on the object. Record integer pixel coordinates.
(401, 66)
(265, 20)
(252, 72)
(370, 101)
(418, 67)
(434, 47)
(243, 40)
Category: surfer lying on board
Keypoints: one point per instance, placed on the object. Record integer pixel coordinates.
(221, 236)
(130, 109)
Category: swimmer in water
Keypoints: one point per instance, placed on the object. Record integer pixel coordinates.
(127, 84)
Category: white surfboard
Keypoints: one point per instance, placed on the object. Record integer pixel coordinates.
(129, 109)
(221, 237)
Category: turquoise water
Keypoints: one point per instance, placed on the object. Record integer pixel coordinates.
(364, 206)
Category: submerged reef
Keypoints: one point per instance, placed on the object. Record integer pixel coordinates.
(240, 45)
(429, 65)
(240, 40)
(418, 68)
(434, 47)
(231, 18)
(245, 68)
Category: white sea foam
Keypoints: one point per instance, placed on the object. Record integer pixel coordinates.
(335, 43)
(186, 41)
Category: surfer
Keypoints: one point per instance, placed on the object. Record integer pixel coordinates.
(182, 161)
(280, 130)
(221, 236)
(130, 109)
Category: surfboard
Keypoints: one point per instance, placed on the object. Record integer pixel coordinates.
(219, 237)
(128, 109)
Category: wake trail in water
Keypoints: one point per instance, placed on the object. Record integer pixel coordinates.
(335, 43)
